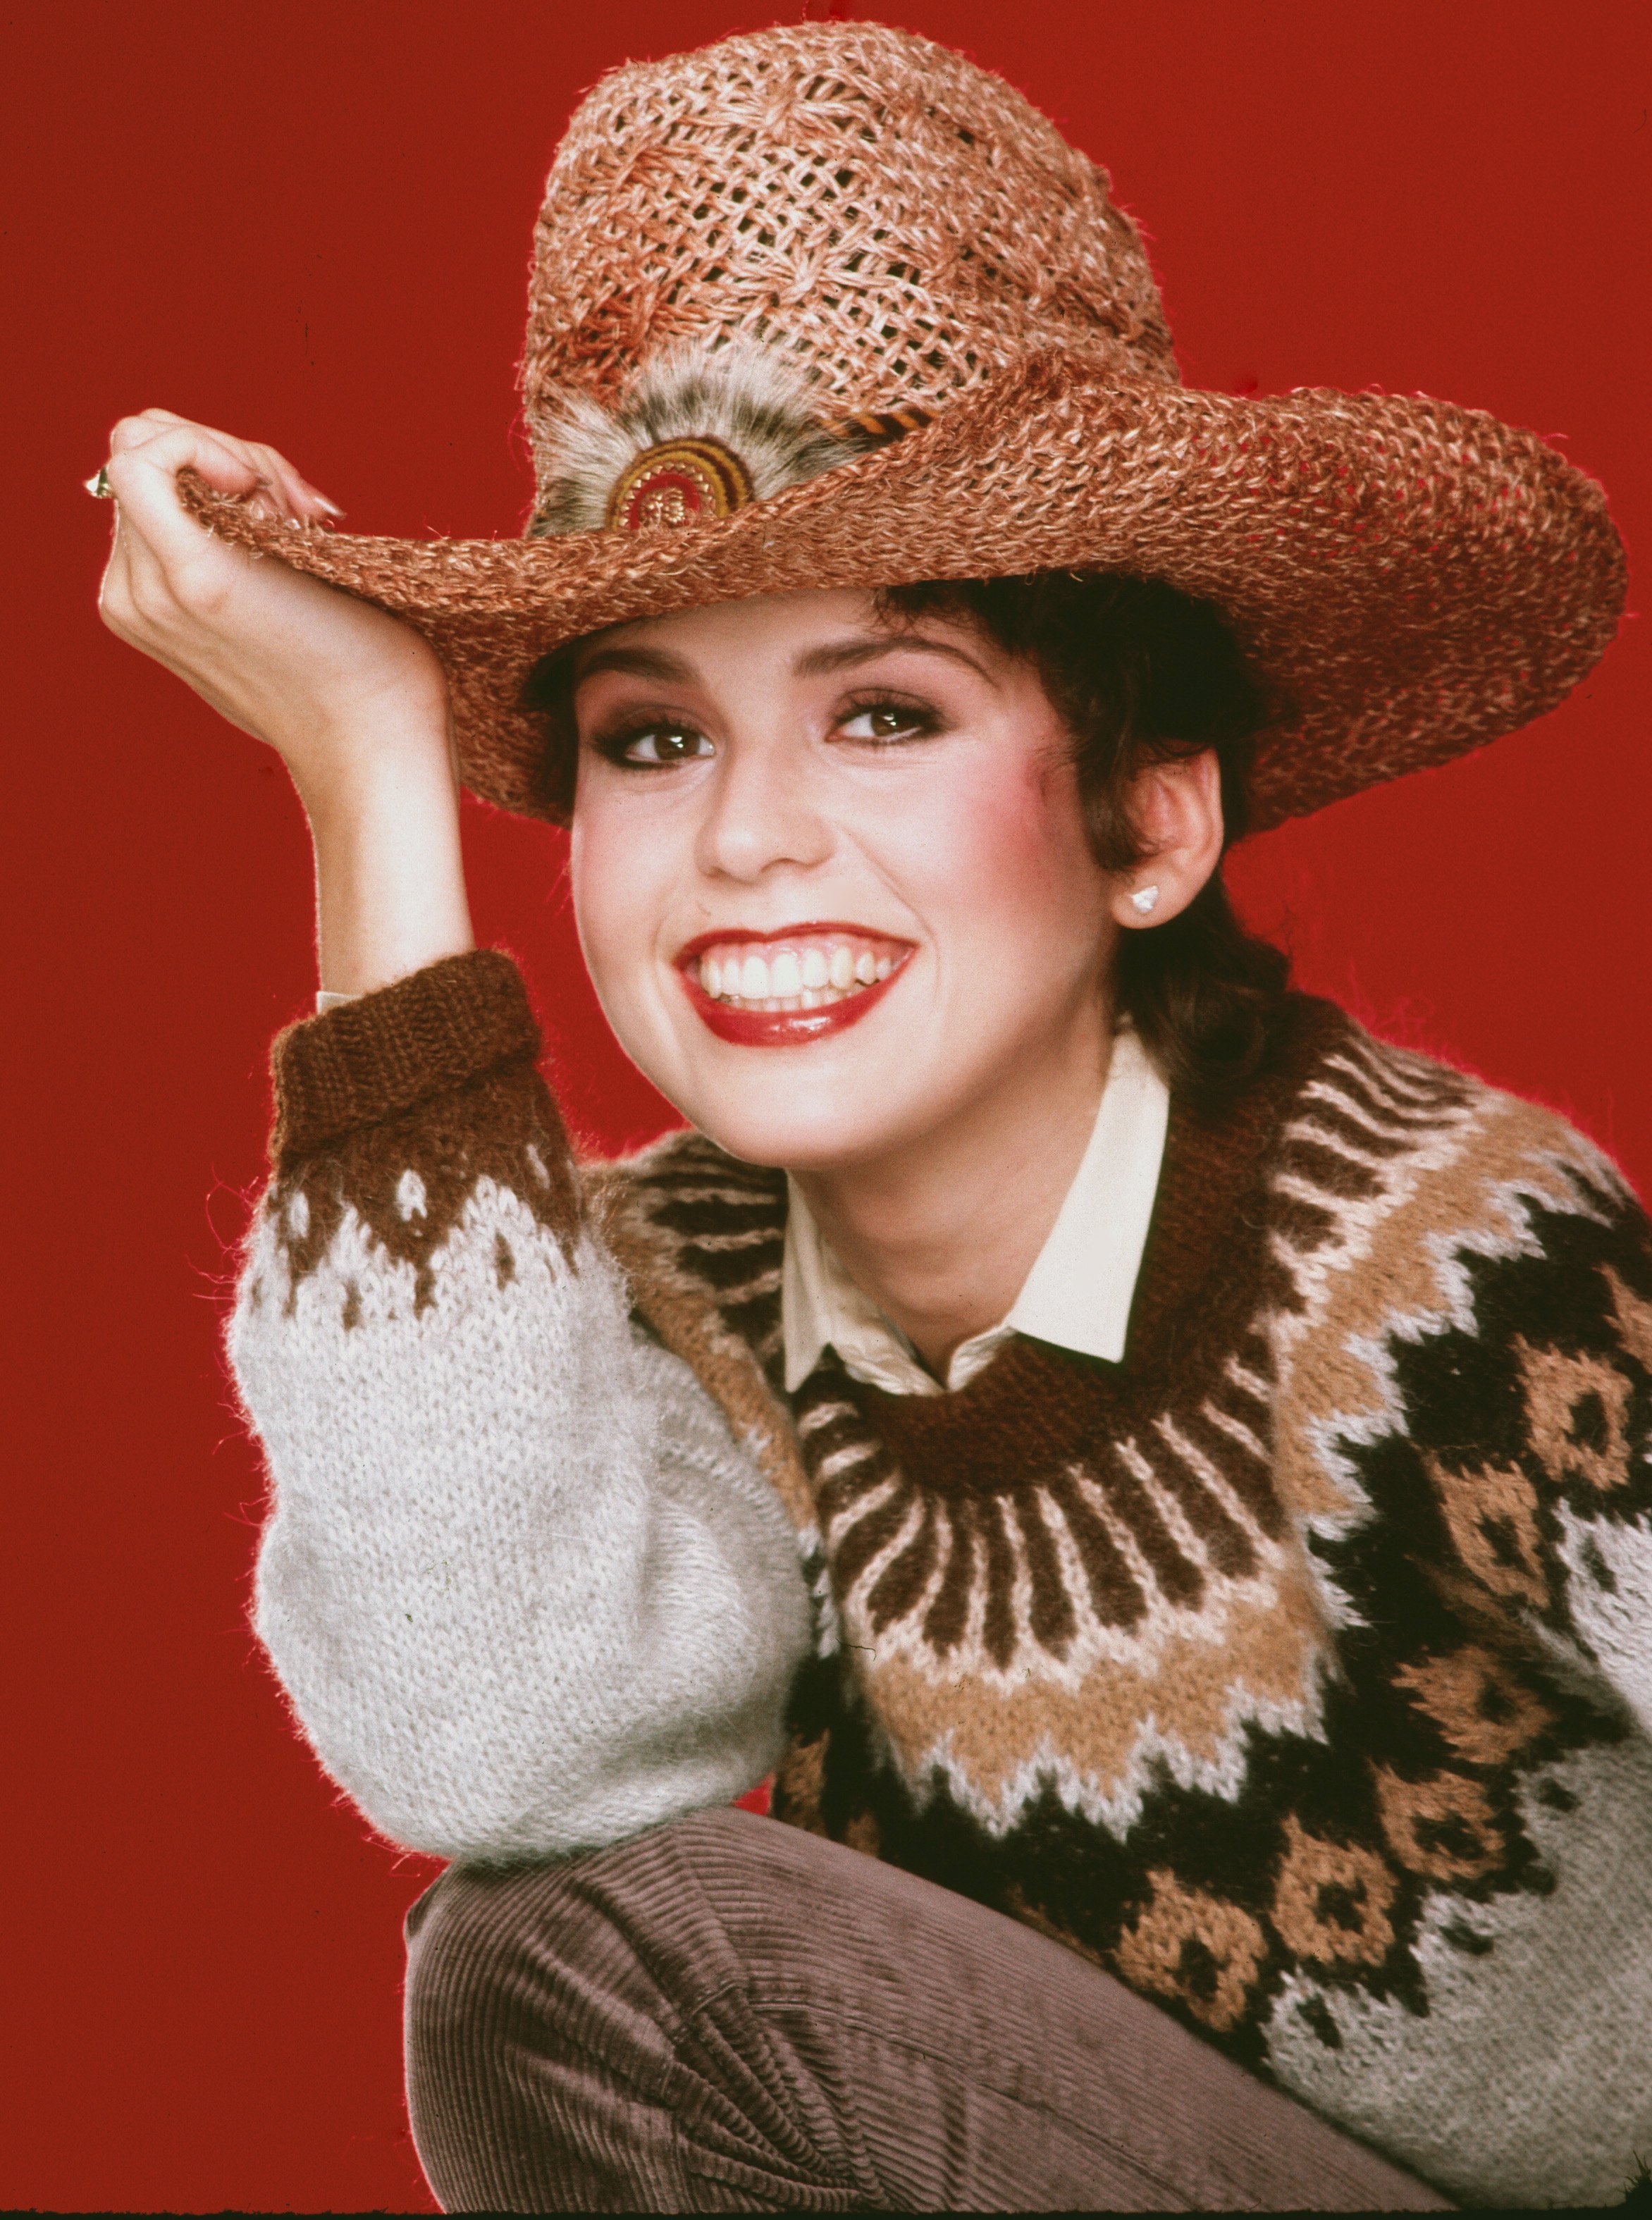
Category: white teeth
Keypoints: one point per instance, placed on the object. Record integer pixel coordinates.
(790, 978)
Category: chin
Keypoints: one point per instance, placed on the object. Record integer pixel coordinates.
(807, 1136)
(802, 1118)
(810, 1109)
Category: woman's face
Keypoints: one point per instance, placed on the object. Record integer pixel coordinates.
(832, 880)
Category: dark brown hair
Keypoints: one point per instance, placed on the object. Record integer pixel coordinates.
(1139, 674)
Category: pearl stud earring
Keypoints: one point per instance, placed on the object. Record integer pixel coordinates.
(1145, 900)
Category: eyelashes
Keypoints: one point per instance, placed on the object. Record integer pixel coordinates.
(655, 746)
(649, 741)
(887, 721)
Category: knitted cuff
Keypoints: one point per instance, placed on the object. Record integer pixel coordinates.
(388, 1052)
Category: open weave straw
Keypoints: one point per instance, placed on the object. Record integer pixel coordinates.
(896, 226)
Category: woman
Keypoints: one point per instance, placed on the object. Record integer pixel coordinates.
(1127, 1451)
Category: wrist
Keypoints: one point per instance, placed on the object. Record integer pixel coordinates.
(389, 876)
(346, 783)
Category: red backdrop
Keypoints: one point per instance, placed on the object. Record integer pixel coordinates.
(310, 223)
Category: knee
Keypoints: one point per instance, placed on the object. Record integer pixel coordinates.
(646, 1926)
(534, 2020)
(575, 2031)
(462, 1963)
(499, 1953)
(479, 2024)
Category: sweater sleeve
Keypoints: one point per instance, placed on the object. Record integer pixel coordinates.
(1541, 1491)
(525, 1590)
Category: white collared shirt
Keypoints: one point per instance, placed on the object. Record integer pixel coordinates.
(1078, 1294)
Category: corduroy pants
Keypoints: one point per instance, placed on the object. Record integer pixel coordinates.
(727, 2015)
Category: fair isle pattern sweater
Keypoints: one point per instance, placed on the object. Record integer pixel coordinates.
(1297, 1670)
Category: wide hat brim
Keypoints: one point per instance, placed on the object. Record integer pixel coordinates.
(1408, 579)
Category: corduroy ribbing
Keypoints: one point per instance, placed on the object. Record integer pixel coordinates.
(727, 2015)
(369, 1060)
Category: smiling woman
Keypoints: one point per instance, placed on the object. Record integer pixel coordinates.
(1160, 1479)
(847, 822)
(1135, 673)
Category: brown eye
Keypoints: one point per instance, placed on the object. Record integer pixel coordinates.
(886, 720)
(664, 744)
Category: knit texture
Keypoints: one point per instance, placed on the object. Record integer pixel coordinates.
(1298, 1670)
(904, 236)
(525, 1589)
(447, 1025)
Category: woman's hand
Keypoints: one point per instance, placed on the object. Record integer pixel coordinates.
(353, 701)
(324, 678)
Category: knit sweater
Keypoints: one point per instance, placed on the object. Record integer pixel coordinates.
(1297, 1669)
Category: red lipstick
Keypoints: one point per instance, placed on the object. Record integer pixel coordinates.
(784, 1028)
(753, 1028)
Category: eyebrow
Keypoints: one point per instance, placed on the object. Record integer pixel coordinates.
(849, 654)
(658, 663)
(634, 663)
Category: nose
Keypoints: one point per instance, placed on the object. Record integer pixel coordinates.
(761, 814)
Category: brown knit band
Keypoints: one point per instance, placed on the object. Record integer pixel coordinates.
(368, 1060)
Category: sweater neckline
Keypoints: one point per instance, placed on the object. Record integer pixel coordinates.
(1213, 1164)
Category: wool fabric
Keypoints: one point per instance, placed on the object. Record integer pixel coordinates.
(1297, 1669)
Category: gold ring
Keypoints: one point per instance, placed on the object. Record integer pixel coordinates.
(99, 487)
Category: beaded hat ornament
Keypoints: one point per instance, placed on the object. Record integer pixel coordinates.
(827, 305)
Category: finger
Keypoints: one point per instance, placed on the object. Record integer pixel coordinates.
(135, 599)
(137, 575)
(303, 498)
(138, 603)
(114, 586)
(144, 480)
(296, 496)
(137, 431)
(148, 434)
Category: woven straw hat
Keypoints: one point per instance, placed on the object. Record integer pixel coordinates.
(829, 305)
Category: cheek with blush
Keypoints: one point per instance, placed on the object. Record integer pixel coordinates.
(972, 852)
(999, 860)
(621, 878)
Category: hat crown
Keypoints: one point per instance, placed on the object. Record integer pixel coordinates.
(898, 225)
(791, 251)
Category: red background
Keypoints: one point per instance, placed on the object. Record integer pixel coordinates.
(310, 223)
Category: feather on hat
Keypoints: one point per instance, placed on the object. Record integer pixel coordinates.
(829, 305)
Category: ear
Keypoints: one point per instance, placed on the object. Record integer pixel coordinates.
(1176, 808)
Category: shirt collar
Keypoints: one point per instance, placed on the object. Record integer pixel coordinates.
(1078, 1294)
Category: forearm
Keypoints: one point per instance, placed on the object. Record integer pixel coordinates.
(524, 1588)
(389, 876)
(511, 1620)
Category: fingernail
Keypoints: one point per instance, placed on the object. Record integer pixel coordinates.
(331, 506)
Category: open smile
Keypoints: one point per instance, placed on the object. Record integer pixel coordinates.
(782, 989)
